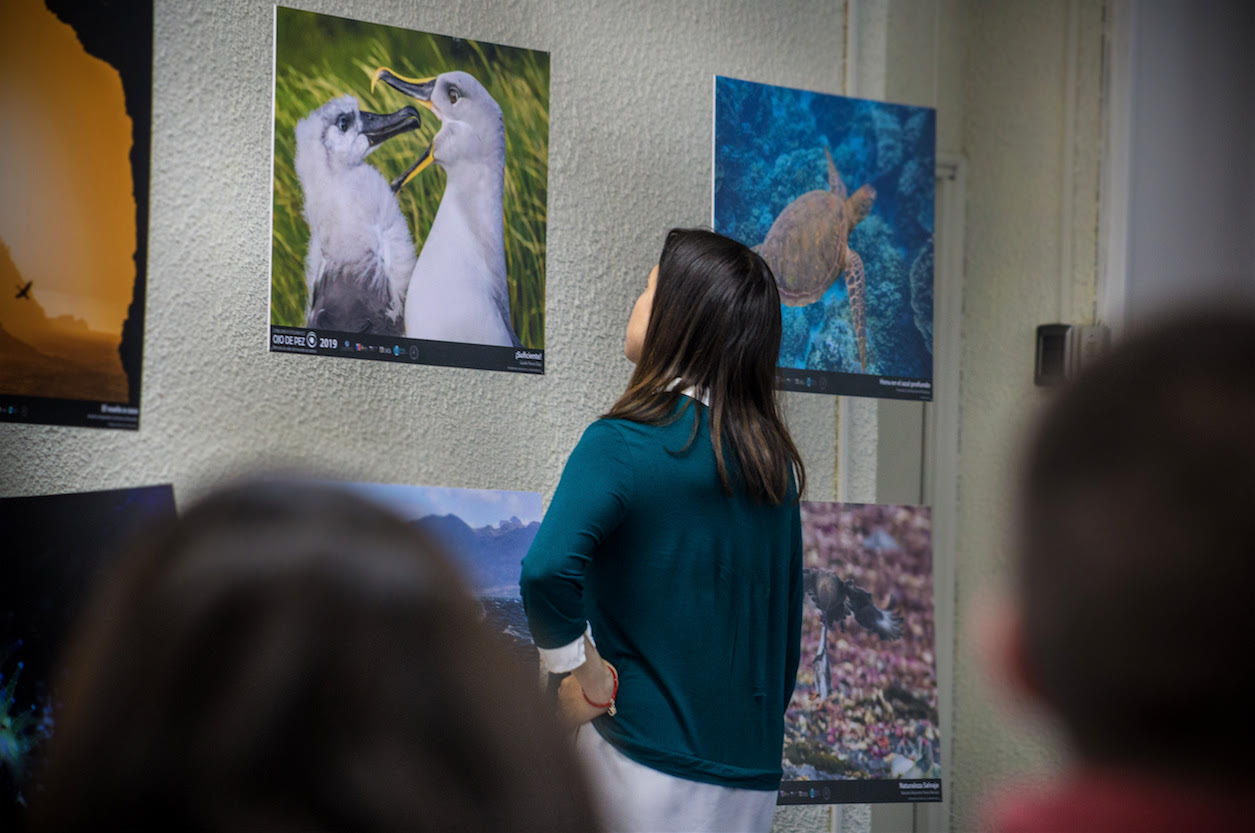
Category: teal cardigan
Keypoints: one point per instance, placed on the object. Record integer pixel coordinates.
(694, 595)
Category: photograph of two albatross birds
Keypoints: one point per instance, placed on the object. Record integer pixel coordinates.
(410, 195)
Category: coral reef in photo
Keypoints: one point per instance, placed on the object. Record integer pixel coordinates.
(24, 726)
(922, 293)
(770, 149)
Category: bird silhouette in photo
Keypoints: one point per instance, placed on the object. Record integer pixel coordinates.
(360, 252)
(458, 290)
(838, 598)
(24, 291)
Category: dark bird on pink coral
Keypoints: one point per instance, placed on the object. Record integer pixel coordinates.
(837, 598)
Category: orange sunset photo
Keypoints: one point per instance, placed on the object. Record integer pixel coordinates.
(69, 236)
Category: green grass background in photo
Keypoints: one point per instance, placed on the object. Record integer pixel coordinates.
(320, 57)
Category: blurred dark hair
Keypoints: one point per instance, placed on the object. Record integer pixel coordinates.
(291, 657)
(1138, 549)
(715, 325)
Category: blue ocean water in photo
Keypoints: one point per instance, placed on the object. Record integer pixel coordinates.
(769, 150)
(507, 618)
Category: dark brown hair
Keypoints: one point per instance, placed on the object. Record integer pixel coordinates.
(1138, 549)
(715, 326)
(290, 657)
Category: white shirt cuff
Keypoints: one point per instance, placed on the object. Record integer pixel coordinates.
(566, 657)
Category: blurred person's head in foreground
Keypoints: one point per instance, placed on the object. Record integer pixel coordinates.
(1136, 556)
(291, 657)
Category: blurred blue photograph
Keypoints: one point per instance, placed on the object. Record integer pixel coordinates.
(837, 195)
(56, 548)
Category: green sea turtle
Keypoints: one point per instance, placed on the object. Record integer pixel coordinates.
(807, 249)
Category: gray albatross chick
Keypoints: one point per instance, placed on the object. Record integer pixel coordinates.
(360, 253)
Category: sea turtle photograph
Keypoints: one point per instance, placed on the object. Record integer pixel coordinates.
(837, 195)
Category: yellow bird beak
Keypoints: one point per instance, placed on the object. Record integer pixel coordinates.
(419, 89)
(423, 161)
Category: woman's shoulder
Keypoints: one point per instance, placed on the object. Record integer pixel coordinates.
(603, 435)
(631, 431)
(619, 425)
(628, 440)
(613, 432)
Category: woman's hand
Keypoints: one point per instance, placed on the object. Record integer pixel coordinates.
(593, 682)
(573, 708)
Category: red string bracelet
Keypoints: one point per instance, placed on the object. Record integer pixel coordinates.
(609, 707)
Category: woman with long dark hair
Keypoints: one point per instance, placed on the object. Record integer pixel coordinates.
(674, 541)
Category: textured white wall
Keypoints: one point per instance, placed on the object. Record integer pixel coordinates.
(1031, 132)
(630, 156)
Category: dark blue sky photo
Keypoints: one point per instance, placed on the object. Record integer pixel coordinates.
(772, 147)
(55, 549)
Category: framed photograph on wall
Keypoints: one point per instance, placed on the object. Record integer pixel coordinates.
(56, 548)
(486, 532)
(837, 194)
(74, 162)
(410, 196)
(863, 725)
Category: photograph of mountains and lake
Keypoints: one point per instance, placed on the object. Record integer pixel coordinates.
(486, 532)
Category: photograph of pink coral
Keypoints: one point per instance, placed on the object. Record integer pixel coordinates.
(862, 726)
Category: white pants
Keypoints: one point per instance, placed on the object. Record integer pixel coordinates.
(633, 798)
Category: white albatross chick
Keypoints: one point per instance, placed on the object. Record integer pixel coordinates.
(360, 251)
(458, 289)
